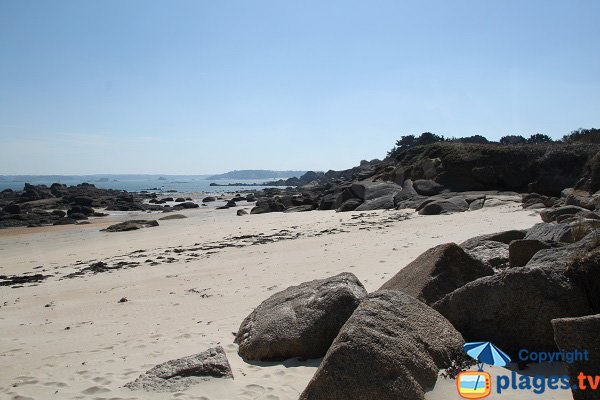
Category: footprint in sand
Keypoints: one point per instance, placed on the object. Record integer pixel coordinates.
(95, 390)
(57, 384)
(253, 389)
(102, 381)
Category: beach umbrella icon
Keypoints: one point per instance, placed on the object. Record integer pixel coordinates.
(486, 353)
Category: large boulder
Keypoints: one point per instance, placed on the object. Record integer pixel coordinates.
(177, 375)
(187, 204)
(581, 199)
(503, 237)
(560, 256)
(380, 203)
(546, 232)
(373, 190)
(551, 214)
(446, 206)
(521, 251)
(492, 253)
(130, 225)
(407, 197)
(437, 272)
(345, 194)
(328, 202)
(513, 308)
(267, 205)
(392, 347)
(12, 209)
(374, 195)
(584, 268)
(580, 334)
(82, 200)
(349, 205)
(428, 187)
(300, 321)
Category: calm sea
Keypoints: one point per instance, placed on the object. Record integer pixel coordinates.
(186, 184)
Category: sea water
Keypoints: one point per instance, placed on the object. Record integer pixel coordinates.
(179, 183)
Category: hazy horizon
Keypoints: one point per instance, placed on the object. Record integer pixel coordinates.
(197, 87)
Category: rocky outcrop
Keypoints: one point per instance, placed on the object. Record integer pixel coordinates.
(580, 334)
(513, 308)
(39, 205)
(437, 272)
(177, 375)
(300, 321)
(392, 347)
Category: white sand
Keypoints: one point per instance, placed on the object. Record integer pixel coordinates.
(110, 343)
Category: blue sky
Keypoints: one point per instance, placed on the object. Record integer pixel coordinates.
(197, 86)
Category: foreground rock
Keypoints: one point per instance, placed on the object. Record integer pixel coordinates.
(177, 375)
(300, 321)
(551, 233)
(580, 334)
(131, 225)
(490, 252)
(513, 308)
(503, 237)
(375, 195)
(392, 347)
(437, 272)
(552, 214)
(521, 251)
(448, 206)
(561, 256)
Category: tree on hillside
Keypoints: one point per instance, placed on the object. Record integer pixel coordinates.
(408, 141)
(591, 135)
(429, 138)
(513, 139)
(539, 138)
(478, 139)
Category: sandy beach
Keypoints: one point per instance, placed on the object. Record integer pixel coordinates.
(189, 284)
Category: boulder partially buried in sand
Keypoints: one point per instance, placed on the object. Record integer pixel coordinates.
(131, 225)
(580, 334)
(437, 272)
(392, 347)
(513, 308)
(300, 321)
(179, 374)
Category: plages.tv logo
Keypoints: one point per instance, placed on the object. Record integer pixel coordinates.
(478, 384)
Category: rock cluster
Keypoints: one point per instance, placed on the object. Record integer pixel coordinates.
(59, 204)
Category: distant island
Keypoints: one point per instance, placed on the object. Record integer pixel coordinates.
(256, 174)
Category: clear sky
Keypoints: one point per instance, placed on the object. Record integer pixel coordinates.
(124, 86)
